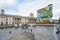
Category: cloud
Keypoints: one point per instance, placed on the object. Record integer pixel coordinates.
(56, 5)
(11, 12)
(25, 7)
(56, 14)
(5, 3)
(56, 9)
(9, 6)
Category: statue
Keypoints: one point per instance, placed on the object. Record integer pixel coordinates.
(45, 14)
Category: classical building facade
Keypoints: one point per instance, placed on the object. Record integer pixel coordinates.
(6, 20)
(9, 20)
(32, 19)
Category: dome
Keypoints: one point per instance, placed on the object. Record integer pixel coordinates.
(31, 15)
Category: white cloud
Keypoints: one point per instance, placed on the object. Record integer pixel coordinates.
(56, 14)
(11, 2)
(11, 12)
(25, 8)
(56, 9)
(4, 3)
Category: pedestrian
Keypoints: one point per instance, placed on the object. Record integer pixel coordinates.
(31, 30)
(10, 32)
(58, 33)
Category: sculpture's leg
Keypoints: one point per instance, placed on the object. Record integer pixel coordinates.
(40, 19)
(49, 18)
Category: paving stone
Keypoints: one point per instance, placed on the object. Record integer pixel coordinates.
(23, 36)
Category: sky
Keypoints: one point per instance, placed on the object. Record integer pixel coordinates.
(25, 7)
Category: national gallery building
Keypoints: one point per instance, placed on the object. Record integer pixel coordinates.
(6, 20)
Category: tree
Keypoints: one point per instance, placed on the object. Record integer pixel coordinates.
(59, 20)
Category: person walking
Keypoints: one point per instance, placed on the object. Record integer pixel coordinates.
(10, 32)
(31, 30)
(58, 33)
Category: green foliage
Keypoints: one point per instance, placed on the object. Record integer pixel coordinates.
(59, 20)
(9, 26)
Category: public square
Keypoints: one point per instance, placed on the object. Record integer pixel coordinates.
(38, 32)
(29, 20)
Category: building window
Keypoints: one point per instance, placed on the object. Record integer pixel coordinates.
(1, 23)
(6, 23)
(13, 22)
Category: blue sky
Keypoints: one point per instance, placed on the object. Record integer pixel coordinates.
(25, 7)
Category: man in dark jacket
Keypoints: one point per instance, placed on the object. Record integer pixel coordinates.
(58, 33)
(31, 30)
